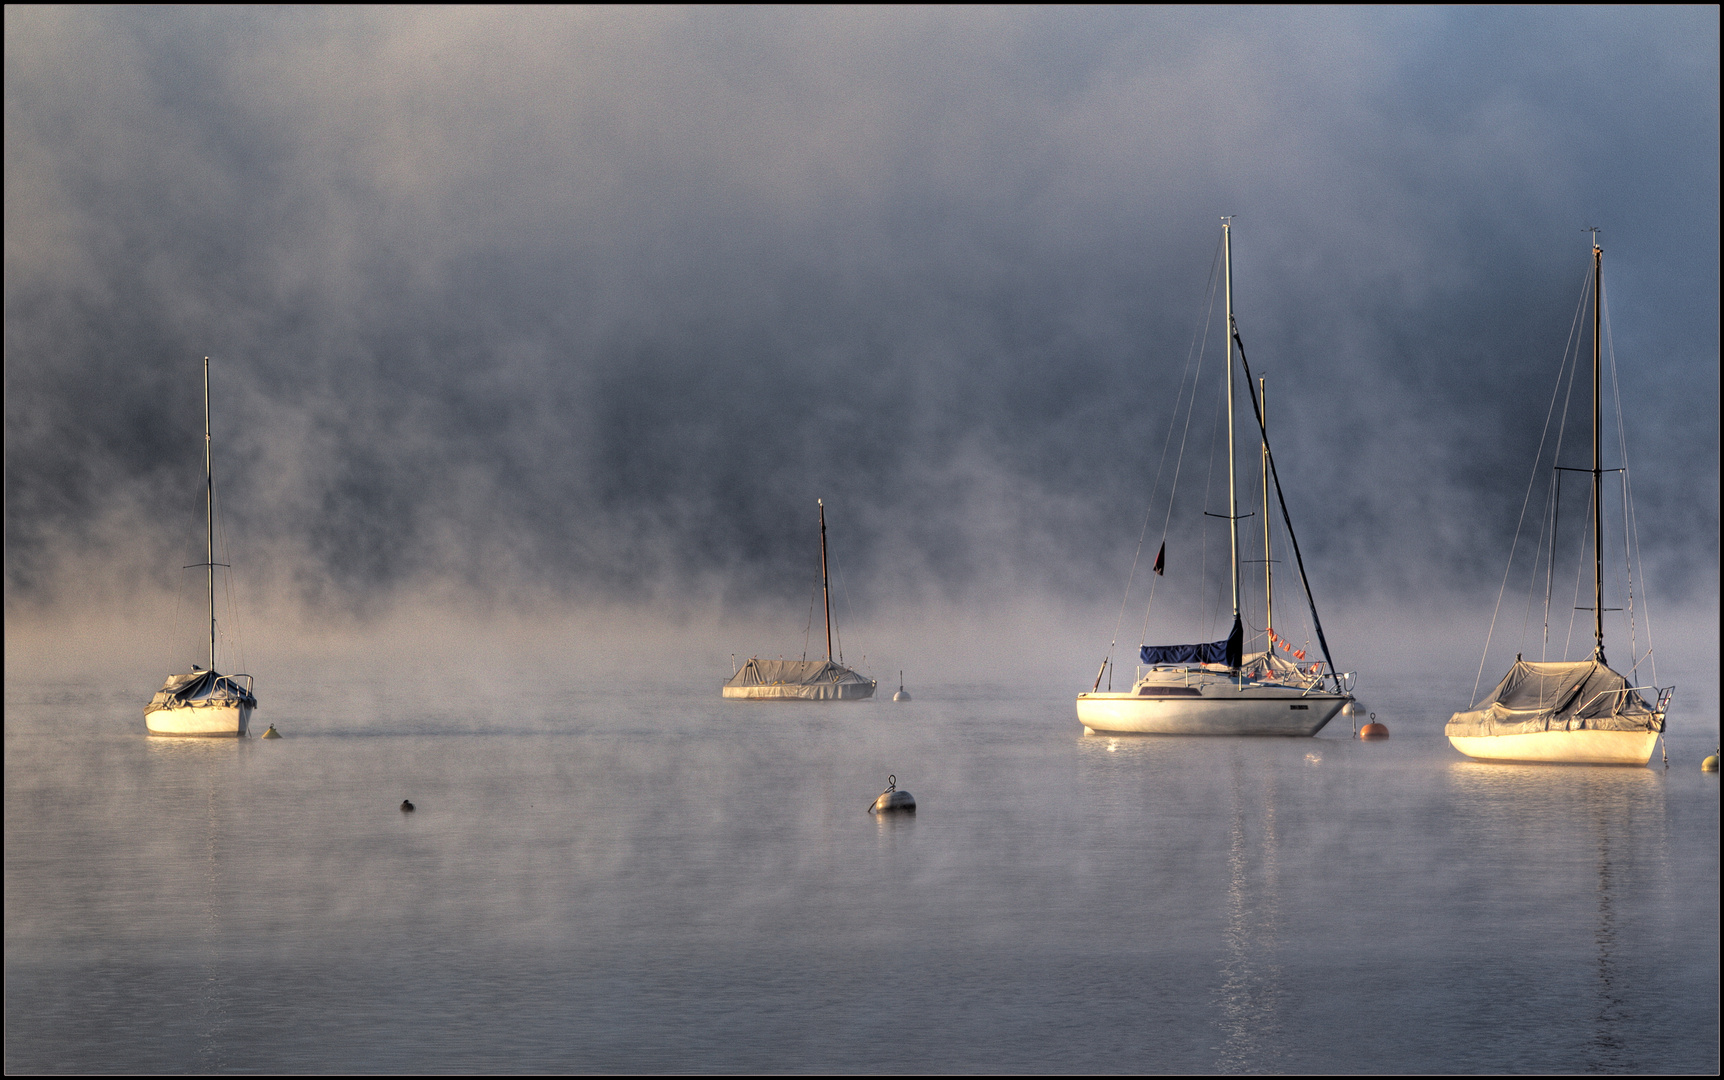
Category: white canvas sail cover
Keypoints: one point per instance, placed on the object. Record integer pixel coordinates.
(200, 687)
(809, 680)
(1273, 666)
(1580, 696)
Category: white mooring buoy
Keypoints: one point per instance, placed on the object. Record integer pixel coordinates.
(1352, 711)
(902, 694)
(892, 800)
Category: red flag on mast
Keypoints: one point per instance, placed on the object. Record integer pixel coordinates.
(1160, 556)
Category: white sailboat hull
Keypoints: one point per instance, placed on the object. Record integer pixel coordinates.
(1252, 711)
(1570, 747)
(205, 721)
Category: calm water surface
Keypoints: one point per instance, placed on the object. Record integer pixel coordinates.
(667, 881)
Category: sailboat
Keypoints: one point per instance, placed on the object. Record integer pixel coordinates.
(204, 702)
(1574, 712)
(1215, 688)
(805, 679)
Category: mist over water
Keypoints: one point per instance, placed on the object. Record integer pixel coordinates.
(536, 334)
(598, 878)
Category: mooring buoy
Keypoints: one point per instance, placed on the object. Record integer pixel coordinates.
(1709, 763)
(271, 733)
(406, 806)
(892, 800)
(902, 694)
(1374, 730)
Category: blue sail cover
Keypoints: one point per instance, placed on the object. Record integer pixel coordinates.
(1214, 652)
(1228, 651)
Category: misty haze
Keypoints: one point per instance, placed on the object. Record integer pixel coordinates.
(536, 333)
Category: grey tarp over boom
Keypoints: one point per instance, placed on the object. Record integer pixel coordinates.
(200, 687)
(798, 680)
(1581, 696)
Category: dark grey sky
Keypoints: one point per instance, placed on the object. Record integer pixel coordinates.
(567, 306)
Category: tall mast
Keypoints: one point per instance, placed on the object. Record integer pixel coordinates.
(209, 514)
(1268, 579)
(825, 584)
(1232, 472)
(1597, 463)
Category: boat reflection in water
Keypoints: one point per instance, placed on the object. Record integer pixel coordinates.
(1531, 817)
(1252, 987)
(196, 776)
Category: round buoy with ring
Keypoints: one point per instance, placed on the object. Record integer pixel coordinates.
(406, 806)
(892, 800)
(1710, 763)
(902, 694)
(1374, 730)
(271, 733)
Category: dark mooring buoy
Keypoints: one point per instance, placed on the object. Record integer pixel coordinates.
(892, 801)
(406, 806)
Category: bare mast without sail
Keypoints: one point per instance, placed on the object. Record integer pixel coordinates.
(803, 680)
(209, 513)
(1578, 712)
(825, 582)
(1597, 462)
(203, 702)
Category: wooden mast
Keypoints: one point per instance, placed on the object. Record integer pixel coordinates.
(825, 584)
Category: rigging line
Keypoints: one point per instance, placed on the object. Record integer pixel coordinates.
(838, 566)
(1628, 571)
(1185, 432)
(1631, 521)
(225, 625)
(180, 592)
(1281, 497)
(1556, 455)
(1552, 496)
(1579, 568)
(1628, 551)
(1645, 601)
(1550, 561)
(809, 629)
(1527, 499)
(228, 591)
(1155, 489)
(1304, 626)
(1203, 577)
(1532, 580)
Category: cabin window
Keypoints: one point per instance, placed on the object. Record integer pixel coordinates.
(1299, 706)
